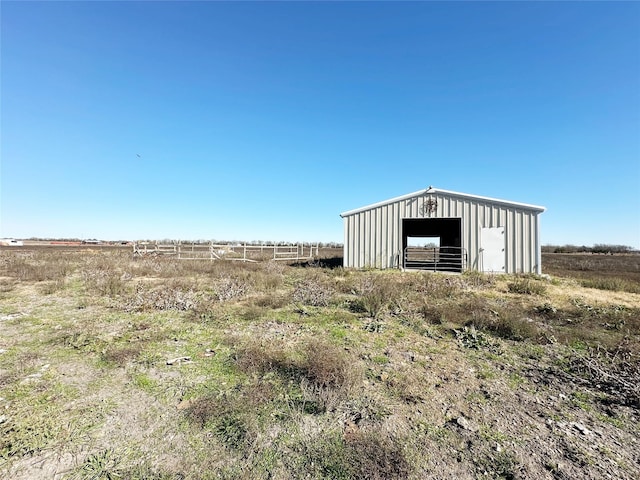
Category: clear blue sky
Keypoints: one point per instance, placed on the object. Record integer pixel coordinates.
(265, 121)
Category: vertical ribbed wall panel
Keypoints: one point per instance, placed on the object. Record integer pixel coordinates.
(510, 240)
(348, 242)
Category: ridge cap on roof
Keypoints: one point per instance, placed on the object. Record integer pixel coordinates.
(432, 189)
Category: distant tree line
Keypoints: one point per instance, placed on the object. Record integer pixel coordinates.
(597, 248)
(53, 239)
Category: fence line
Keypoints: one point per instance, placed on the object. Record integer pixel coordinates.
(237, 252)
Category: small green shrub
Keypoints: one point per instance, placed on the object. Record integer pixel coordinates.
(498, 465)
(231, 430)
(106, 464)
(373, 326)
(469, 337)
(27, 433)
(546, 309)
(320, 456)
(77, 340)
(226, 414)
(376, 293)
(117, 464)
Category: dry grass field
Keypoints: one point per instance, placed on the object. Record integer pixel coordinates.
(151, 368)
(605, 272)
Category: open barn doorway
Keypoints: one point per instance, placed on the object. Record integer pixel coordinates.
(433, 244)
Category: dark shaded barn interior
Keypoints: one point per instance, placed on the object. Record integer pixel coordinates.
(447, 257)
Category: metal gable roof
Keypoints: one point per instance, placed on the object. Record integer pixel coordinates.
(429, 190)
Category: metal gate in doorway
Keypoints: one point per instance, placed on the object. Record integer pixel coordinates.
(435, 259)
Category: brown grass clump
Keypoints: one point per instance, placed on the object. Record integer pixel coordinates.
(271, 301)
(353, 454)
(254, 357)
(22, 365)
(374, 455)
(324, 372)
(429, 313)
(327, 374)
(406, 386)
(258, 357)
(51, 287)
(104, 281)
(7, 285)
(510, 324)
(225, 415)
(460, 311)
(527, 286)
(120, 356)
(327, 366)
(437, 286)
(475, 279)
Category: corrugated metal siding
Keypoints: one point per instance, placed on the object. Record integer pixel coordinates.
(373, 238)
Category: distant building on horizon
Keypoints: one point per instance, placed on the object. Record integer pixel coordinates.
(10, 242)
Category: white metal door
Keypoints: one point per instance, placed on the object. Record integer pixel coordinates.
(492, 243)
